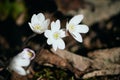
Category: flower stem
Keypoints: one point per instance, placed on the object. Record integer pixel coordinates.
(28, 39)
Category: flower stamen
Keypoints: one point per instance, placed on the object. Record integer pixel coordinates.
(71, 27)
(56, 35)
(37, 27)
(30, 54)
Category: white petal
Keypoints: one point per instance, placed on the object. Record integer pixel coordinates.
(19, 70)
(36, 31)
(62, 33)
(46, 23)
(49, 41)
(47, 33)
(76, 19)
(41, 17)
(82, 28)
(31, 26)
(58, 24)
(61, 44)
(52, 24)
(77, 36)
(34, 19)
(55, 26)
(54, 45)
(67, 25)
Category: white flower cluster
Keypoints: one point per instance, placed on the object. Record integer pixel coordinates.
(39, 25)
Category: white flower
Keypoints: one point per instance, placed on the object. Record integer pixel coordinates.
(27, 54)
(38, 23)
(22, 60)
(75, 28)
(55, 36)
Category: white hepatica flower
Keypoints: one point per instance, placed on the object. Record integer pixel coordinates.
(75, 28)
(55, 36)
(22, 60)
(38, 23)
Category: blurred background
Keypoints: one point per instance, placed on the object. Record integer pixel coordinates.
(102, 17)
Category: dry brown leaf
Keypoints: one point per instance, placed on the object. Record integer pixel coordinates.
(98, 65)
(79, 62)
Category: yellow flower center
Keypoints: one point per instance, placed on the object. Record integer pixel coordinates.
(37, 27)
(56, 35)
(71, 27)
(30, 54)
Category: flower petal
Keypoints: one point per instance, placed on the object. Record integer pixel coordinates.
(34, 19)
(62, 33)
(36, 31)
(54, 45)
(76, 19)
(49, 41)
(60, 44)
(55, 26)
(81, 28)
(67, 26)
(31, 26)
(41, 17)
(47, 33)
(58, 24)
(77, 36)
(46, 23)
